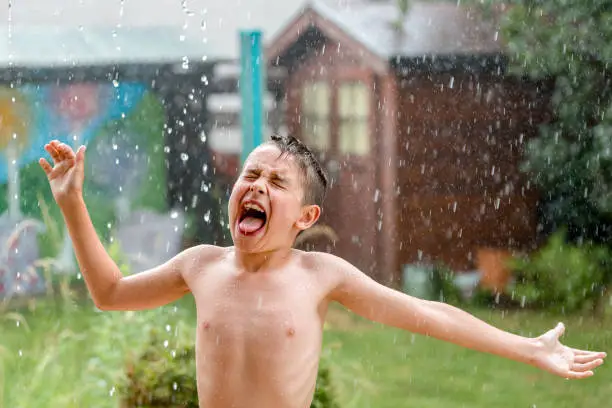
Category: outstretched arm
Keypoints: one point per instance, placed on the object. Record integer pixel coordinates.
(376, 302)
(108, 288)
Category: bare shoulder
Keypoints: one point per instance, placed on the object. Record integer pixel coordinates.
(327, 267)
(199, 255)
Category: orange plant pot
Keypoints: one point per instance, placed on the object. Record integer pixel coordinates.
(493, 266)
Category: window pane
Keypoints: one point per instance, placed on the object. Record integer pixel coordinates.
(354, 137)
(322, 95)
(316, 98)
(354, 109)
(315, 114)
(361, 100)
(353, 100)
(320, 133)
(345, 108)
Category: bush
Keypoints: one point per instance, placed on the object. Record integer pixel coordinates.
(563, 277)
(165, 377)
(443, 285)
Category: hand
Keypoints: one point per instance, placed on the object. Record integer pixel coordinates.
(67, 174)
(564, 361)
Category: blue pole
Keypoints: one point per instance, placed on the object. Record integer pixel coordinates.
(252, 69)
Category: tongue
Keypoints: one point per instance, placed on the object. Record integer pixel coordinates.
(250, 225)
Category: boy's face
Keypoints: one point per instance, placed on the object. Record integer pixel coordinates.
(266, 208)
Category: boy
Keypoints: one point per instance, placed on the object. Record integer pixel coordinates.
(261, 304)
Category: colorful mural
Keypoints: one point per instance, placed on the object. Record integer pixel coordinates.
(34, 114)
(122, 125)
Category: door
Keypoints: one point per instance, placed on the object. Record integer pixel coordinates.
(336, 118)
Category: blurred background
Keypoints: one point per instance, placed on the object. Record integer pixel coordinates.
(469, 144)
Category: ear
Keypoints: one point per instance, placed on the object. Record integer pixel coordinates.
(310, 215)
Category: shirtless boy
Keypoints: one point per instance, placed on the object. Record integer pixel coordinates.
(261, 304)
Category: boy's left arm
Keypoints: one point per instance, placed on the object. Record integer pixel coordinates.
(376, 302)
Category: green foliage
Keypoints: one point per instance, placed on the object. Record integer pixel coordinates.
(563, 277)
(325, 392)
(162, 376)
(569, 42)
(443, 285)
(144, 126)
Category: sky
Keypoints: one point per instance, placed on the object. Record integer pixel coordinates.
(217, 21)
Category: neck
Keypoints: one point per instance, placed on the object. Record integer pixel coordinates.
(258, 261)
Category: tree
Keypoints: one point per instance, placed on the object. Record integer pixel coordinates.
(568, 42)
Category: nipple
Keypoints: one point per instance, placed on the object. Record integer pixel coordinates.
(205, 325)
(290, 332)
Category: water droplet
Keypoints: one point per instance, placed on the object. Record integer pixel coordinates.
(165, 343)
(168, 328)
(184, 157)
(207, 216)
(174, 215)
(376, 195)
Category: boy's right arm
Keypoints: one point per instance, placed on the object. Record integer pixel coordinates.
(108, 288)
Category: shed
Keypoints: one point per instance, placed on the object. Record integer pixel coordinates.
(419, 126)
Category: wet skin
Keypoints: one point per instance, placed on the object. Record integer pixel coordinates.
(261, 304)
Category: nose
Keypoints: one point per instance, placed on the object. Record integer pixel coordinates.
(257, 187)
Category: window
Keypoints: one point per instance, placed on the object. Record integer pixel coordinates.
(316, 103)
(354, 112)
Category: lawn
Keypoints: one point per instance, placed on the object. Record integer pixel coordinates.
(59, 355)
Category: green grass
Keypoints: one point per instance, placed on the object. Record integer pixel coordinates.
(72, 356)
(405, 370)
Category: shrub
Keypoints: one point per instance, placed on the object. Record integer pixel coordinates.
(443, 285)
(165, 377)
(563, 277)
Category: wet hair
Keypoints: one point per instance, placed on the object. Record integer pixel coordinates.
(314, 179)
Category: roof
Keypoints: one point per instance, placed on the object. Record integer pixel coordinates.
(428, 29)
(54, 46)
(215, 22)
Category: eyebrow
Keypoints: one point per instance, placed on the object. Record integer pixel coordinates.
(275, 175)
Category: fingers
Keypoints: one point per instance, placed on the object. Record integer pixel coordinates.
(591, 365)
(578, 375)
(45, 166)
(80, 156)
(53, 152)
(585, 357)
(559, 329)
(65, 151)
(61, 153)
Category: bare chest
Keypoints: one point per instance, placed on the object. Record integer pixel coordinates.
(261, 312)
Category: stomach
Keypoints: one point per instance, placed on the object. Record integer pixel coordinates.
(265, 371)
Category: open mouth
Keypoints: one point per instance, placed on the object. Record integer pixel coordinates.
(252, 218)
